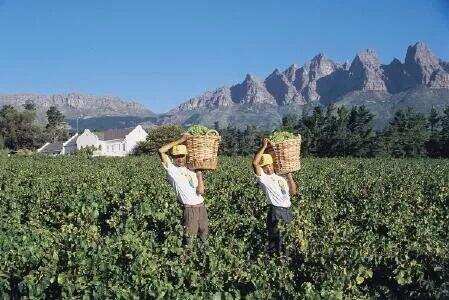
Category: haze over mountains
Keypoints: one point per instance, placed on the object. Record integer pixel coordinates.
(421, 81)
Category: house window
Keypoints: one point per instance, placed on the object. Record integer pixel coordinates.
(124, 147)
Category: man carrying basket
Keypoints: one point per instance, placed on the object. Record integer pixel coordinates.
(189, 187)
(277, 190)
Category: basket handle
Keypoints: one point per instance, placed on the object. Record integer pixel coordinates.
(212, 132)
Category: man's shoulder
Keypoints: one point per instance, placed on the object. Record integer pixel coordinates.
(169, 166)
(280, 177)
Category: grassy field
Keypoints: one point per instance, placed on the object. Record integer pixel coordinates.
(80, 228)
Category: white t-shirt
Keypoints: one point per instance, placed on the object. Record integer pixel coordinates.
(275, 188)
(184, 182)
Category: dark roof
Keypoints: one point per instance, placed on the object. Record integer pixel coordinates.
(114, 134)
(52, 148)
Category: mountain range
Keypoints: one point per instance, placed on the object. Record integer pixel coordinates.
(420, 81)
(74, 105)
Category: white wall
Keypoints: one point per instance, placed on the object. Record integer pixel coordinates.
(137, 135)
(70, 145)
(113, 148)
(86, 139)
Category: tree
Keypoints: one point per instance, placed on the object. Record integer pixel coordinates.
(444, 133)
(406, 135)
(54, 117)
(18, 128)
(361, 140)
(56, 128)
(433, 145)
(289, 122)
(229, 144)
(29, 105)
(249, 140)
(337, 131)
(157, 137)
(310, 127)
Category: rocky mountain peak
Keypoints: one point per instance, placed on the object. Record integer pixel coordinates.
(251, 91)
(251, 78)
(290, 72)
(421, 63)
(221, 97)
(324, 81)
(281, 88)
(444, 65)
(321, 66)
(318, 58)
(366, 73)
(367, 58)
(396, 61)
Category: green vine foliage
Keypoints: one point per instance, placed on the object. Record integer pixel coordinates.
(110, 228)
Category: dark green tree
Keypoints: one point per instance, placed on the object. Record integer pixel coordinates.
(56, 128)
(29, 105)
(433, 144)
(444, 133)
(18, 129)
(311, 129)
(406, 134)
(157, 137)
(54, 116)
(361, 138)
(289, 122)
(229, 144)
(337, 131)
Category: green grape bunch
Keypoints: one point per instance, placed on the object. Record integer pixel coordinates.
(281, 136)
(197, 130)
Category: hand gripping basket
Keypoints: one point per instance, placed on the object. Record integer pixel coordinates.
(202, 150)
(286, 155)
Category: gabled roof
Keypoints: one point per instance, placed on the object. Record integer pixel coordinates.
(114, 134)
(51, 148)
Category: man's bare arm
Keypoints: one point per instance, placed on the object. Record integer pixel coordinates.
(292, 186)
(200, 188)
(164, 149)
(258, 157)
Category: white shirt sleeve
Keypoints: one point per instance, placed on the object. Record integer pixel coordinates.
(262, 178)
(170, 167)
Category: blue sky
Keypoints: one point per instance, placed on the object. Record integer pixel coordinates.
(161, 53)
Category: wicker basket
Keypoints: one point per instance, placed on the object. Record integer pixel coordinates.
(202, 150)
(286, 155)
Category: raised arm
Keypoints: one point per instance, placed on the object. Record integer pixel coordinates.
(292, 186)
(258, 156)
(164, 149)
(200, 188)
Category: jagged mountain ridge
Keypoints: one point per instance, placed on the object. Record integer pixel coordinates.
(420, 81)
(78, 105)
(322, 81)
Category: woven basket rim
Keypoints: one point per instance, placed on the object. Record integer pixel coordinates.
(292, 139)
(210, 136)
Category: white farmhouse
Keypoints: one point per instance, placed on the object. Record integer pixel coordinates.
(114, 142)
(69, 146)
(58, 148)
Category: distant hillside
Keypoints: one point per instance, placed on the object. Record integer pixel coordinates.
(108, 122)
(421, 81)
(78, 105)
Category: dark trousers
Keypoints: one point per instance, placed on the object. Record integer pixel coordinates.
(195, 222)
(275, 216)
